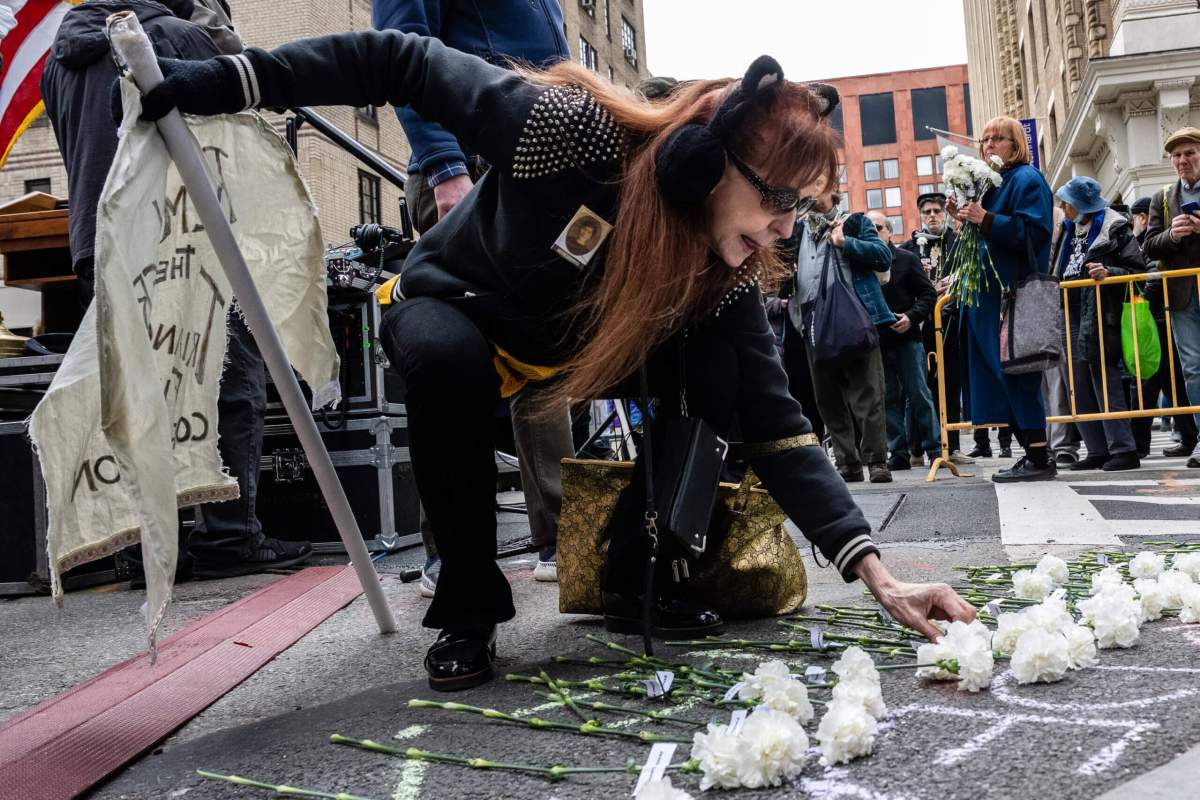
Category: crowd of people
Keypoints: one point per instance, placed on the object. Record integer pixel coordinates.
(881, 407)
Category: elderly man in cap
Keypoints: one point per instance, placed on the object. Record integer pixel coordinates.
(1173, 238)
(932, 245)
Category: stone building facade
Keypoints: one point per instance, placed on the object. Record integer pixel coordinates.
(1107, 81)
(609, 36)
(888, 157)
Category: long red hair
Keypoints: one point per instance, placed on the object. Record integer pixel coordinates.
(659, 273)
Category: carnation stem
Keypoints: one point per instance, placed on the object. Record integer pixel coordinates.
(609, 708)
(566, 698)
(284, 791)
(590, 728)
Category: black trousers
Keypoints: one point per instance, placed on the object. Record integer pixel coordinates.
(452, 391)
(800, 379)
(1160, 383)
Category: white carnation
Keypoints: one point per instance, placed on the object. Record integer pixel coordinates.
(1151, 599)
(1174, 584)
(1055, 567)
(1109, 576)
(931, 656)
(1081, 647)
(1189, 611)
(855, 664)
(975, 664)
(720, 754)
(846, 732)
(866, 693)
(774, 745)
(1147, 565)
(1031, 585)
(996, 161)
(1040, 657)
(773, 686)
(662, 789)
(963, 653)
(949, 152)
(1114, 617)
(1009, 627)
(1188, 563)
(1050, 615)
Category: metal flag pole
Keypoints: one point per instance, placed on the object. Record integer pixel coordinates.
(133, 48)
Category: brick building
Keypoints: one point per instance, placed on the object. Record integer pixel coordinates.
(1107, 81)
(607, 35)
(889, 158)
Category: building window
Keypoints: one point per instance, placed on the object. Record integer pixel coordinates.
(589, 7)
(368, 113)
(878, 117)
(897, 223)
(629, 41)
(892, 196)
(871, 170)
(38, 185)
(874, 198)
(844, 203)
(924, 165)
(929, 111)
(588, 55)
(841, 173)
(924, 188)
(610, 74)
(891, 168)
(607, 25)
(967, 108)
(1045, 28)
(941, 187)
(835, 119)
(369, 208)
(937, 164)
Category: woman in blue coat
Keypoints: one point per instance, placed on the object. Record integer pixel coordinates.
(1021, 207)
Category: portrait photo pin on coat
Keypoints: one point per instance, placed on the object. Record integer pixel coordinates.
(582, 237)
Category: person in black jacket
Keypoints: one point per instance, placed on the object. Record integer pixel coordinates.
(910, 296)
(228, 538)
(691, 193)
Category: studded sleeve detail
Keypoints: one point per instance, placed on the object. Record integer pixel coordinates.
(747, 279)
(566, 128)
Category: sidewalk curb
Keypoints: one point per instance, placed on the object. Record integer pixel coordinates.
(1163, 783)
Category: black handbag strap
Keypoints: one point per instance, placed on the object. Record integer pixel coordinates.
(651, 517)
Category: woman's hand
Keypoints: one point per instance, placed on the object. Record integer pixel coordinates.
(837, 237)
(1096, 270)
(913, 604)
(942, 286)
(971, 212)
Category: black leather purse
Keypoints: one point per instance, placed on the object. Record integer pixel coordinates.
(686, 480)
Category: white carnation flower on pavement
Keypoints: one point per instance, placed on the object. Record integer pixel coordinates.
(1040, 657)
(864, 692)
(846, 732)
(855, 664)
(1107, 577)
(773, 686)
(1055, 567)
(774, 745)
(720, 754)
(975, 664)
(1188, 563)
(1050, 615)
(1174, 583)
(964, 653)
(1189, 612)
(1147, 565)
(1081, 647)
(662, 789)
(1151, 599)
(1114, 616)
(930, 655)
(1031, 585)
(1009, 627)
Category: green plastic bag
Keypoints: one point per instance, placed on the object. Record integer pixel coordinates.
(1146, 355)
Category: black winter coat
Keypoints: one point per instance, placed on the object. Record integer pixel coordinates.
(908, 292)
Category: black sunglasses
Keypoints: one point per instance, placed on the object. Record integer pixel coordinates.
(777, 199)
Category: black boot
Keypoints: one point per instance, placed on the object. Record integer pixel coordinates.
(1026, 470)
(670, 618)
(1091, 462)
(1122, 461)
(461, 658)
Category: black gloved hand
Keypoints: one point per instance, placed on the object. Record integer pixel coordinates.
(209, 86)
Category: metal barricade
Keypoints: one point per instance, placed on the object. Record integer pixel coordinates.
(1192, 273)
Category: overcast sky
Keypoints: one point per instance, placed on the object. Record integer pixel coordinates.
(810, 38)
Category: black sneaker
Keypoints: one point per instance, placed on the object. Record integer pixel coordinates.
(980, 452)
(1193, 462)
(1121, 461)
(1006, 452)
(899, 462)
(1091, 462)
(1026, 470)
(270, 554)
(1179, 450)
(1066, 459)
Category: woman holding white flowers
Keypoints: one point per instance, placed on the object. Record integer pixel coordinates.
(1020, 208)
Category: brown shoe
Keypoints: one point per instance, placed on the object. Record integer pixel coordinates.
(880, 473)
(852, 473)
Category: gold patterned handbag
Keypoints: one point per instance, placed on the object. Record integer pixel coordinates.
(753, 569)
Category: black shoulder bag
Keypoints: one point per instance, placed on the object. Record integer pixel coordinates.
(839, 326)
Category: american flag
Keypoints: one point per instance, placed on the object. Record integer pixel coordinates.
(27, 29)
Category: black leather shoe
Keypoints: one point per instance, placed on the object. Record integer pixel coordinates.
(671, 618)
(1178, 450)
(1026, 470)
(896, 463)
(461, 658)
(1006, 452)
(980, 452)
(1121, 461)
(1194, 462)
(1091, 462)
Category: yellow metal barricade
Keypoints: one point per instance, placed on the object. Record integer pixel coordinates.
(1168, 359)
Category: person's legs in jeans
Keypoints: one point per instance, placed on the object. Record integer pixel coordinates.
(1185, 327)
(1086, 403)
(895, 404)
(910, 358)
(230, 532)
(452, 389)
(827, 387)
(1117, 432)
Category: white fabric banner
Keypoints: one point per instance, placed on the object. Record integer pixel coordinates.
(127, 431)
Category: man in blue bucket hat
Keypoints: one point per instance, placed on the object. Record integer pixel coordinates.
(1096, 242)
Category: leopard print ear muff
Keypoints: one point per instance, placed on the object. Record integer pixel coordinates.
(692, 159)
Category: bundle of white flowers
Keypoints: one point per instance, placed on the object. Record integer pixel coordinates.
(1151, 599)
(1114, 614)
(1189, 613)
(1055, 567)
(662, 789)
(1188, 563)
(848, 727)
(969, 263)
(963, 653)
(774, 686)
(1050, 617)
(1174, 583)
(768, 750)
(1147, 565)
(1029, 584)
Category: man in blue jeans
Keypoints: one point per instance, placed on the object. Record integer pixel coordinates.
(910, 296)
(440, 174)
